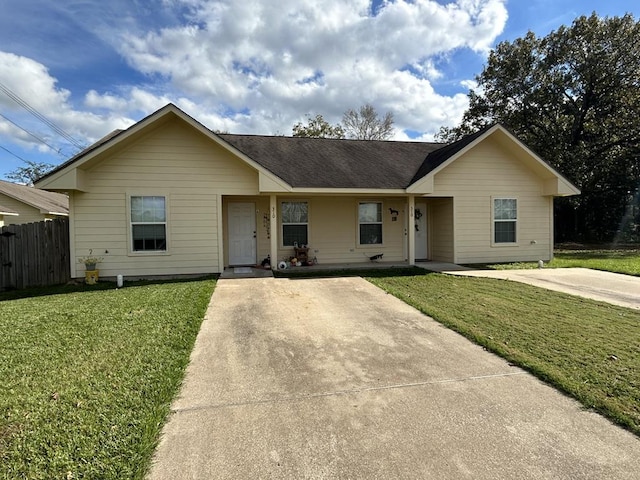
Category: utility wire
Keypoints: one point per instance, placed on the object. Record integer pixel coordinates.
(11, 153)
(57, 150)
(13, 96)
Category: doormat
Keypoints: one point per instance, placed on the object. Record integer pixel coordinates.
(241, 269)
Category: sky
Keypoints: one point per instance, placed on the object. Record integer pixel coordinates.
(72, 71)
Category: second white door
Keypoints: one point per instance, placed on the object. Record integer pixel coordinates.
(242, 233)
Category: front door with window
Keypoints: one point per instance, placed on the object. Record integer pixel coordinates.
(420, 231)
(242, 233)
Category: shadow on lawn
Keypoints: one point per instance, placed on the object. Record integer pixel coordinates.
(355, 272)
(82, 287)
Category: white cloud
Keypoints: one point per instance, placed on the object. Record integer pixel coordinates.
(317, 57)
(28, 89)
(253, 67)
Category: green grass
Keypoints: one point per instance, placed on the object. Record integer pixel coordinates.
(88, 376)
(587, 349)
(618, 261)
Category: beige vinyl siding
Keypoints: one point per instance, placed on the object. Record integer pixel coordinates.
(441, 229)
(484, 173)
(333, 230)
(27, 213)
(174, 161)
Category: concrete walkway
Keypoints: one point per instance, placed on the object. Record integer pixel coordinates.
(614, 288)
(333, 378)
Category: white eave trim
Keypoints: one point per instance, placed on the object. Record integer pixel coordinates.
(428, 179)
(350, 191)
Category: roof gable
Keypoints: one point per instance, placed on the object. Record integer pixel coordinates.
(70, 175)
(555, 182)
(45, 202)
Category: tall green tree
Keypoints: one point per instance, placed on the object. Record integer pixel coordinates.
(317, 127)
(573, 96)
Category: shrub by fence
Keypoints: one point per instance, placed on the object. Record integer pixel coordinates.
(34, 254)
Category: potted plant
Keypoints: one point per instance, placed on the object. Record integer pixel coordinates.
(90, 262)
(91, 272)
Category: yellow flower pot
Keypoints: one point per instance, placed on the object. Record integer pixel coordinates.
(91, 277)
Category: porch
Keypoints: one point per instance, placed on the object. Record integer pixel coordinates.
(341, 231)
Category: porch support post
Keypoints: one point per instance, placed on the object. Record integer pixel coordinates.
(411, 227)
(273, 229)
(221, 236)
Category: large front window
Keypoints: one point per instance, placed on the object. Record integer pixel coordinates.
(295, 223)
(370, 223)
(149, 224)
(505, 218)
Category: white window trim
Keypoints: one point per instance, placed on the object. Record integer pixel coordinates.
(282, 223)
(493, 222)
(381, 223)
(149, 253)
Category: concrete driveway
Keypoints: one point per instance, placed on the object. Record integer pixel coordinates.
(615, 288)
(333, 378)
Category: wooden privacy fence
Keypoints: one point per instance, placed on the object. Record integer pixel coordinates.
(34, 254)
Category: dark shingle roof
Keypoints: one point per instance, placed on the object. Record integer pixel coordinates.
(49, 202)
(328, 163)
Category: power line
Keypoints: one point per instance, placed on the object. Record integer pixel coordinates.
(11, 153)
(13, 96)
(57, 150)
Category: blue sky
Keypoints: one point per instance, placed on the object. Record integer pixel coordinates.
(91, 66)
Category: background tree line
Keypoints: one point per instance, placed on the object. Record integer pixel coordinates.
(573, 97)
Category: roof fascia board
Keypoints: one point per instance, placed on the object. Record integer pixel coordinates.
(349, 191)
(561, 178)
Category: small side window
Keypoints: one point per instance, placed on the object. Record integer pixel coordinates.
(295, 223)
(148, 224)
(370, 223)
(505, 218)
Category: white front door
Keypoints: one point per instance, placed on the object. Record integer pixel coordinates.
(242, 233)
(420, 230)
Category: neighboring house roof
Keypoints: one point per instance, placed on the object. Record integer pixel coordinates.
(47, 202)
(330, 163)
(7, 211)
(318, 163)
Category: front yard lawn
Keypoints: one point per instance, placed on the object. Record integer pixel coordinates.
(587, 349)
(88, 377)
(625, 261)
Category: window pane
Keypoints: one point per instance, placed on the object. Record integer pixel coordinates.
(136, 209)
(505, 209)
(149, 237)
(148, 209)
(505, 232)
(371, 234)
(370, 212)
(295, 212)
(294, 233)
